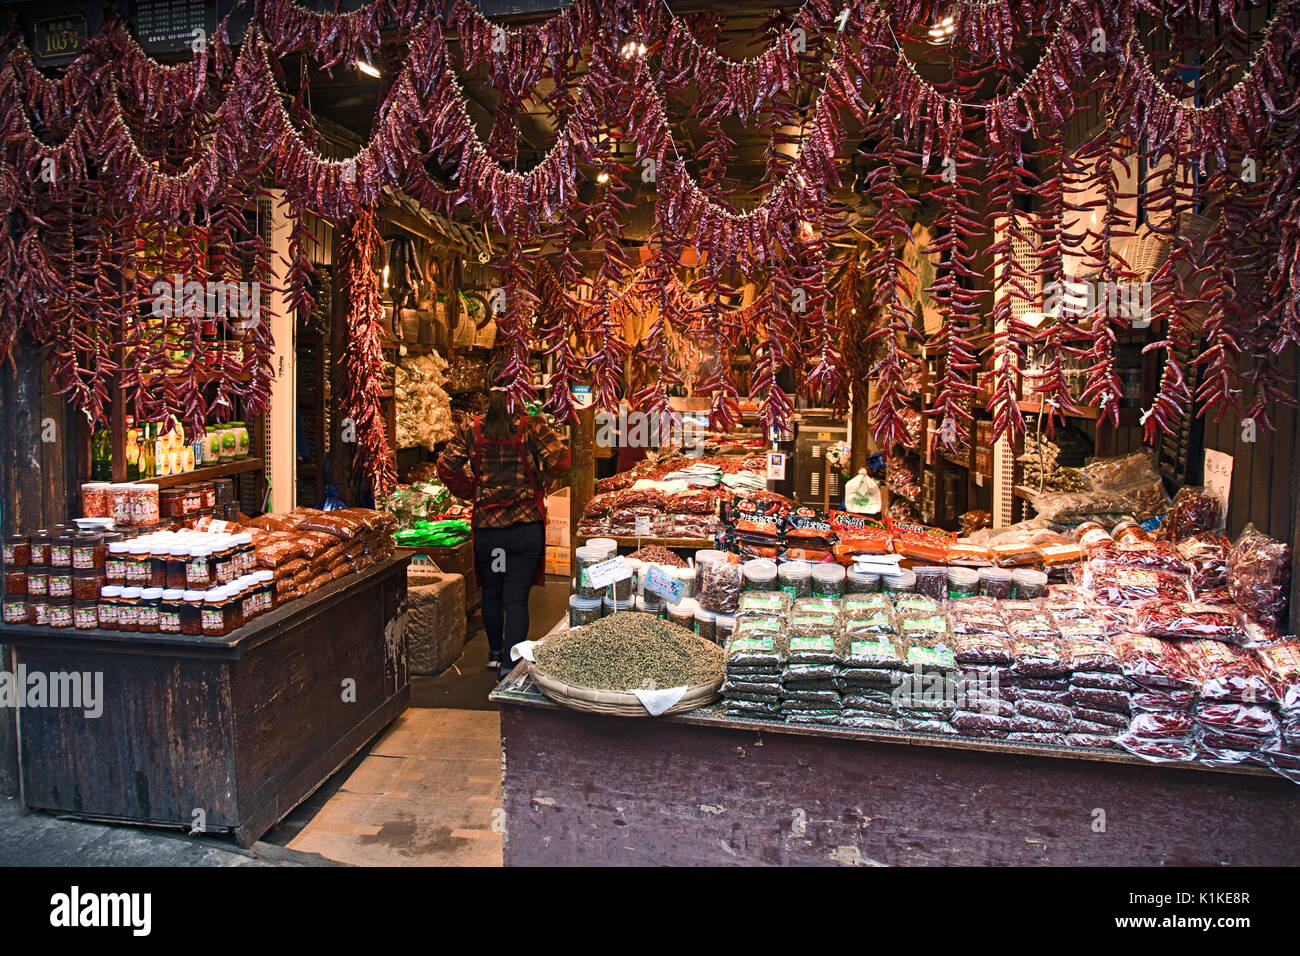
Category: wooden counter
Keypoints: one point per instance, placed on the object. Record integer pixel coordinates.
(703, 788)
(232, 732)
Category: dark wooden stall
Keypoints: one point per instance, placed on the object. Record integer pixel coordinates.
(241, 728)
(702, 789)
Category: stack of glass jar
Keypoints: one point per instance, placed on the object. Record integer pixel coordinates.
(168, 582)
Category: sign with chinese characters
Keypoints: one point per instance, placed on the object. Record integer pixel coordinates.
(1218, 480)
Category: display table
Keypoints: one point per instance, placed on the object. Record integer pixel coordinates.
(703, 788)
(229, 733)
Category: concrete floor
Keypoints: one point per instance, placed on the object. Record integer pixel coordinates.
(425, 792)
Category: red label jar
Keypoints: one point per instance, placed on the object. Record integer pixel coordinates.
(109, 596)
(85, 615)
(38, 581)
(214, 613)
(192, 612)
(15, 581)
(169, 611)
(40, 549)
(17, 551)
(60, 612)
(89, 551)
(15, 610)
(86, 583)
(115, 562)
(60, 582)
(61, 551)
(150, 607)
(38, 610)
(128, 610)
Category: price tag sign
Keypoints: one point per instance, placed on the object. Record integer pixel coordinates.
(776, 465)
(607, 572)
(582, 395)
(669, 588)
(1218, 480)
(643, 526)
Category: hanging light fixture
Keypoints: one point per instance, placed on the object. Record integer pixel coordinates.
(942, 30)
(368, 68)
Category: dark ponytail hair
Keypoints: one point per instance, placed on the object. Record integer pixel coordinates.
(498, 423)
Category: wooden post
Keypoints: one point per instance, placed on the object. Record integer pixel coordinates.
(582, 473)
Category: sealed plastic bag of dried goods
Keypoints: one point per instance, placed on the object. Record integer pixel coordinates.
(1184, 620)
(1259, 576)
(1153, 662)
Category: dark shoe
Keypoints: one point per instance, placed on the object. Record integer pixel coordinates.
(494, 659)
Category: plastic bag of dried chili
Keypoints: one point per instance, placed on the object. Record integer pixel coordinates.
(1206, 555)
(1194, 511)
(1125, 585)
(1259, 576)
(1183, 620)
(1152, 662)
(1230, 674)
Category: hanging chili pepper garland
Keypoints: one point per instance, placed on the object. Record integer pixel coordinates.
(104, 118)
(362, 358)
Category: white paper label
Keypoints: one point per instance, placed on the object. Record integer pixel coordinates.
(607, 572)
(1218, 480)
(642, 526)
(657, 701)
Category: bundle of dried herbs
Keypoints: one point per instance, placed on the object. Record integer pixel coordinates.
(629, 652)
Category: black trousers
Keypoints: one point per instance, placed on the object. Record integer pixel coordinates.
(507, 559)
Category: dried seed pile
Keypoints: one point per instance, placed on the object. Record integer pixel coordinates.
(657, 555)
(630, 651)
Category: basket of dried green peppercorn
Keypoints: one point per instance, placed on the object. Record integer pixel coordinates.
(595, 668)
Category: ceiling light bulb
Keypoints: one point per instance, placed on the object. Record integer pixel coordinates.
(369, 69)
(602, 177)
(946, 22)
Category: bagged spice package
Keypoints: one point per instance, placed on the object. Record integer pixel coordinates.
(858, 534)
(931, 652)
(1158, 750)
(1114, 720)
(1125, 585)
(868, 603)
(868, 620)
(1154, 663)
(1206, 556)
(1162, 725)
(752, 709)
(763, 604)
(759, 645)
(873, 651)
(1151, 555)
(1089, 653)
(1280, 661)
(875, 700)
(1053, 739)
(940, 727)
(817, 605)
(720, 586)
(1103, 680)
(1016, 610)
(864, 721)
(982, 648)
(1190, 621)
(1163, 699)
(917, 604)
(924, 628)
(806, 527)
(815, 639)
(1093, 741)
(1193, 511)
(1033, 628)
(976, 620)
(920, 542)
(1259, 576)
(1038, 657)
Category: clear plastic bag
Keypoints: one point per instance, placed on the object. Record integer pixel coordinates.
(1194, 511)
(1038, 657)
(1259, 576)
(988, 649)
(1206, 556)
(1152, 662)
(1190, 621)
(720, 586)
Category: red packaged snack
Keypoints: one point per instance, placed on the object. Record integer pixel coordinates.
(1259, 576)
(1126, 585)
(1153, 662)
(965, 554)
(919, 541)
(1058, 555)
(1207, 560)
(859, 534)
(1193, 511)
(808, 527)
(1230, 674)
(759, 520)
(1189, 621)
(1014, 554)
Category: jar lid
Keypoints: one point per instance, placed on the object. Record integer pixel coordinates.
(179, 551)
(194, 595)
(994, 574)
(93, 485)
(151, 594)
(829, 572)
(69, 536)
(649, 601)
(726, 620)
(215, 595)
(576, 601)
(173, 594)
(139, 547)
(620, 605)
(200, 551)
(607, 545)
(42, 534)
(1028, 576)
(760, 569)
(965, 576)
(902, 578)
(686, 607)
(794, 569)
(706, 555)
(132, 592)
(925, 570)
(110, 591)
(263, 575)
(703, 614)
(588, 553)
(146, 487)
(858, 575)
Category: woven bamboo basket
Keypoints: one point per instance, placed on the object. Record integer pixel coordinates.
(616, 702)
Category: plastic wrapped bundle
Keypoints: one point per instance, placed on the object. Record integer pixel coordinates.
(1259, 576)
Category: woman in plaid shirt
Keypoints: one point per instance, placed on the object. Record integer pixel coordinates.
(504, 463)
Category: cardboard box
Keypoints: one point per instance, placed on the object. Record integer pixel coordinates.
(557, 560)
(557, 519)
